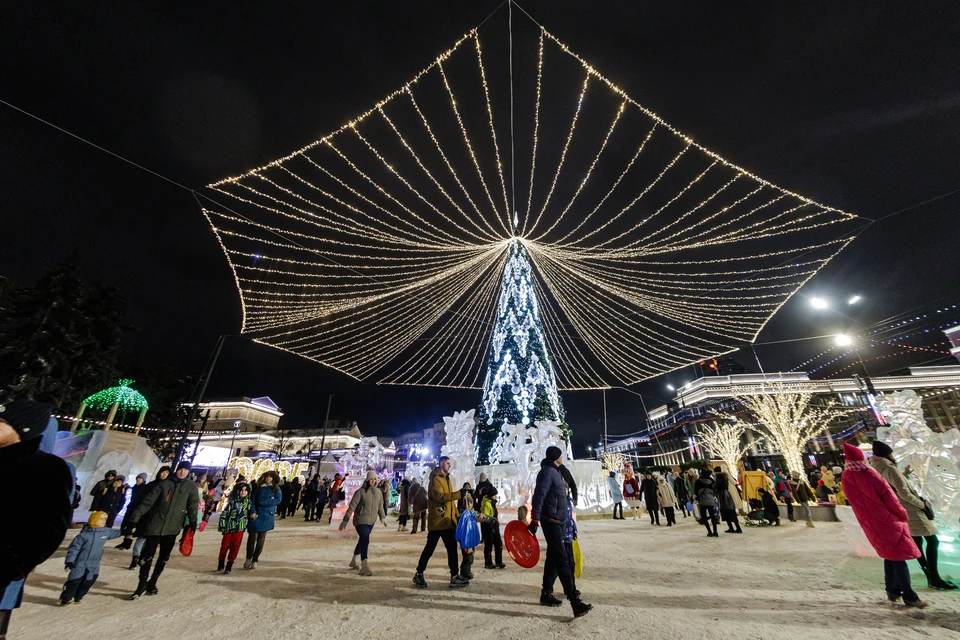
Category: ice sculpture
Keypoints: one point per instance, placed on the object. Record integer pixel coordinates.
(526, 447)
(934, 457)
(460, 447)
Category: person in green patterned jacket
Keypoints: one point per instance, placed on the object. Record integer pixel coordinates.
(232, 524)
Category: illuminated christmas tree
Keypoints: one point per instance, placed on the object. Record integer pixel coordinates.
(521, 385)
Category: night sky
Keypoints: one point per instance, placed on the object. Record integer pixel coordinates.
(850, 104)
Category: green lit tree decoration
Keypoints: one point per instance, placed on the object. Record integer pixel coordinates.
(114, 398)
(521, 385)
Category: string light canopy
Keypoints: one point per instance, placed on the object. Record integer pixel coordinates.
(380, 249)
(123, 396)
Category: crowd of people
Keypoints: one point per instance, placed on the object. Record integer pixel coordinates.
(896, 519)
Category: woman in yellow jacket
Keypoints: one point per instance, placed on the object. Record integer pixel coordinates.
(442, 517)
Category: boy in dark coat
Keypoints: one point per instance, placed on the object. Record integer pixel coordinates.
(83, 557)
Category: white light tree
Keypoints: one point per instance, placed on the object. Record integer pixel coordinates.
(788, 418)
(723, 439)
(613, 462)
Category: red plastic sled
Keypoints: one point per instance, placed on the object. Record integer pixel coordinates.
(522, 547)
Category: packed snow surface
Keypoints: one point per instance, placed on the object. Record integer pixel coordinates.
(643, 580)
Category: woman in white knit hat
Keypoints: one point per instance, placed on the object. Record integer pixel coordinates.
(366, 506)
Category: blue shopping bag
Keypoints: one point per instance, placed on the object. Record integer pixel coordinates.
(468, 531)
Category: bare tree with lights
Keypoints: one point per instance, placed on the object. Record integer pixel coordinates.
(787, 417)
(723, 438)
(613, 462)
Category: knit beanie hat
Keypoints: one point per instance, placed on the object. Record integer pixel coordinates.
(28, 418)
(371, 475)
(142, 476)
(553, 453)
(97, 519)
(704, 473)
(183, 465)
(882, 449)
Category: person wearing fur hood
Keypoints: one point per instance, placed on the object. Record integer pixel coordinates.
(922, 529)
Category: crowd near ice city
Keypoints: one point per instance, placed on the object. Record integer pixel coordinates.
(502, 229)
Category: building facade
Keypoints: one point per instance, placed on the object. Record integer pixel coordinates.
(671, 437)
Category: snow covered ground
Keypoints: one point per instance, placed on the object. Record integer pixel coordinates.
(644, 581)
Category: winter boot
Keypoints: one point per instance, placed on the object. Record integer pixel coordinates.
(134, 562)
(364, 569)
(353, 562)
(466, 567)
(228, 569)
(418, 581)
(126, 544)
(248, 564)
(141, 588)
(547, 599)
(152, 588)
(456, 582)
(580, 608)
(253, 565)
(220, 565)
(810, 524)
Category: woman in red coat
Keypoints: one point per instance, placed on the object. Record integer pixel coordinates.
(884, 521)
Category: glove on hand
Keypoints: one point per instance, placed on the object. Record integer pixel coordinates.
(343, 525)
(532, 528)
(68, 566)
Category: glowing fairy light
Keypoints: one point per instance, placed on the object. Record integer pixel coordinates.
(373, 251)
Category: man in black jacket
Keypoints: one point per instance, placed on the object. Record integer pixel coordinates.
(170, 504)
(102, 485)
(550, 511)
(44, 510)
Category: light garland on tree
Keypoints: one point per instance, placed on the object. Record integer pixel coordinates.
(723, 438)
(381, 248)
(787, 417)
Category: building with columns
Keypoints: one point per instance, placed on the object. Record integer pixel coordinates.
(671, 438)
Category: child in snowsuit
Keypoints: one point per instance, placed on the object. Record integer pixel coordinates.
(569, 535)
(467, 554)
(491, 529)
(232, 524)
(83, 557)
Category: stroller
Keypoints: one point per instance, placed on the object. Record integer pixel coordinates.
(755, 518)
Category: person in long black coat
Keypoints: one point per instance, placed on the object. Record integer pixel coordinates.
(138, 528)
(728, 508)
(111, 500)
(680, 490)
(295, 489)
(285, 490)
(26, 435)
(648, 489)
(137, 492)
